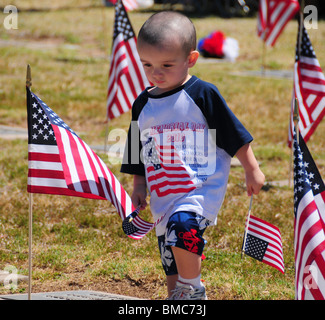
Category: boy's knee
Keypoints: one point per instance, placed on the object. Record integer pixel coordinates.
(183, 231)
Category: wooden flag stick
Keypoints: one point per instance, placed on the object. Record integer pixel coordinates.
(301, 18)
(246, 227)
(263, 59)
(106, 136)
(30, 233)
(30, 219)
(28, 77)
(296, 119)
(296, 109)
(296, 128)
(296, 112)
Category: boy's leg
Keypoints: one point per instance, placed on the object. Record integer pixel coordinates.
(171, 283)
(188, 263)
(171, 259)
(183, 259)
(169, 264)
(184, 238)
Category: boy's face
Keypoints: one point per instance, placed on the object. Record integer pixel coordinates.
(166, 66)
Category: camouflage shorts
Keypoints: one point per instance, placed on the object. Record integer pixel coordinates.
(184, 230)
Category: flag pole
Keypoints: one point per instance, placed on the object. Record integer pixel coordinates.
(107, 120)
(30, 232)
(296, 128)
(30, 219)
(263, 58)
(302, 6)
(296, 119)
(246, 227)
(296, 109)
(106, 136)
(104, 32)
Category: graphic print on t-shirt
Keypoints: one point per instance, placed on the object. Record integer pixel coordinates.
(165, 172)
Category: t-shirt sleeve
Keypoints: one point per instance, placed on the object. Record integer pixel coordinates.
(132, 163)
(230, 134)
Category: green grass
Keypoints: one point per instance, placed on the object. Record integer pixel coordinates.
(79, 243)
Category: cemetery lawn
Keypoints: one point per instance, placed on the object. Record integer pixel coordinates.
(78, 244)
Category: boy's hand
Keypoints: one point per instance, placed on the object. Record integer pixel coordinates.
(139, 193)
(254, 176)
(254, 181)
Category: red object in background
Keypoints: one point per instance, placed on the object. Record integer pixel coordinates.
(212, 46)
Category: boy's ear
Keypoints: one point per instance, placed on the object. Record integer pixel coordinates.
(192, 58)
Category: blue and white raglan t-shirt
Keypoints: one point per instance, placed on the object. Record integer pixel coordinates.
(182, 141)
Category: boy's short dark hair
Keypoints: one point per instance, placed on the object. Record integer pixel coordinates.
(165, 23)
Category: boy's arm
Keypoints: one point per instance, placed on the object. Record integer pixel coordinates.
(254, 176)
(139, 193)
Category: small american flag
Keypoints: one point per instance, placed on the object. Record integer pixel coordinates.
(126, 76)
(165, 172)
(264, 243)
(309, 237)
(60, 163)
(273, 16)
(309, 88)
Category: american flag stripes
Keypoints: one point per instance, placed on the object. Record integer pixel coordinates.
(126, 76)
(128, 4)
(309, 237)
(264, 243)
(273, 16)
(309, 88)
(262, 18)
(60, 163)
(165, 172)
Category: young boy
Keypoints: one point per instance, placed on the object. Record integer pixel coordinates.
(187, 136)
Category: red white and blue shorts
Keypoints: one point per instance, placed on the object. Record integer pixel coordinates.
(184, 230)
